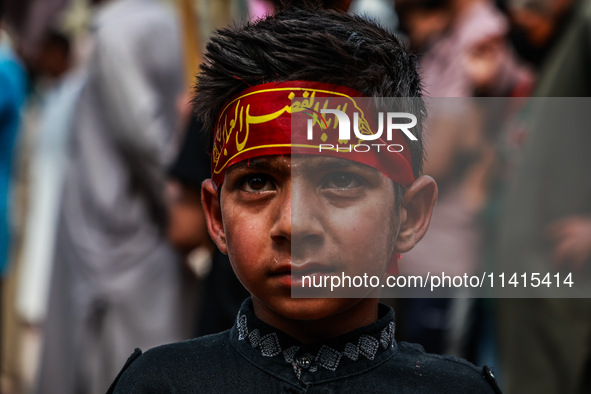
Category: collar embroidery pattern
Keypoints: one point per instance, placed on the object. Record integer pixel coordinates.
(327, 357)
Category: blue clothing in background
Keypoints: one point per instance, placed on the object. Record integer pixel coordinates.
(12, 94)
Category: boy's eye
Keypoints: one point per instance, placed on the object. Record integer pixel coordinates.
(341, 180)
(256, 183)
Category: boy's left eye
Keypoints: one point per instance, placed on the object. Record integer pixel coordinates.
(341, 180)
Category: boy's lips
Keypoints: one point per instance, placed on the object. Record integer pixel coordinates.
(291, 274)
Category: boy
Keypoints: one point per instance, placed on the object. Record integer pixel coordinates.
(282, 212)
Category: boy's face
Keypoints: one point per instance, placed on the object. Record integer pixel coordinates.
(281, 217)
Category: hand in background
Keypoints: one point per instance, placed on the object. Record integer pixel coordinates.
(572, 240)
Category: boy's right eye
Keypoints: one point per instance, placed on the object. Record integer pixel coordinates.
(256, 183)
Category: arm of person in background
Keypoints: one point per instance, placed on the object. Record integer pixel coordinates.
(187, 229)
(139, 126)
(572, 240)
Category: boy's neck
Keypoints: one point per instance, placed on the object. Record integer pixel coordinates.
(362, 313)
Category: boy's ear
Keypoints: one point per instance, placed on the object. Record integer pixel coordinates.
(415, 213)
(213, 214)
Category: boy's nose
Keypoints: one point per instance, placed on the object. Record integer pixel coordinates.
(298, 217)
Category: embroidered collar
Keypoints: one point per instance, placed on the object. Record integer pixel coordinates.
(276, 352)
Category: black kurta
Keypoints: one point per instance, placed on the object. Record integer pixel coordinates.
(255, 357)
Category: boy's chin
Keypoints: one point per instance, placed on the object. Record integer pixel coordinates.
(310, 309)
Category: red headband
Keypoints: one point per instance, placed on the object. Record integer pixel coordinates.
(272, 119)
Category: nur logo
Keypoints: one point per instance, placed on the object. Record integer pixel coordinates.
(361, 129)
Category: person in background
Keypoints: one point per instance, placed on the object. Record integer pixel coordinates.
(464, 52)
(463, 48)
(13, 88)
(545, 343)
(13, 85)
(116, 282)
(221, 293)
(43, 153)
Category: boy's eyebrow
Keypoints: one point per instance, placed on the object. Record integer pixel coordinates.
(261, 163)
(329, 163)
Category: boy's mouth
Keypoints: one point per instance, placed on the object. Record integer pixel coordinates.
(292, 275)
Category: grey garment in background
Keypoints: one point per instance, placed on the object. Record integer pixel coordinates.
(116, 283)
(46, 175)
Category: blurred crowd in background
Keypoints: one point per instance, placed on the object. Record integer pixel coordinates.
(103, 245)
